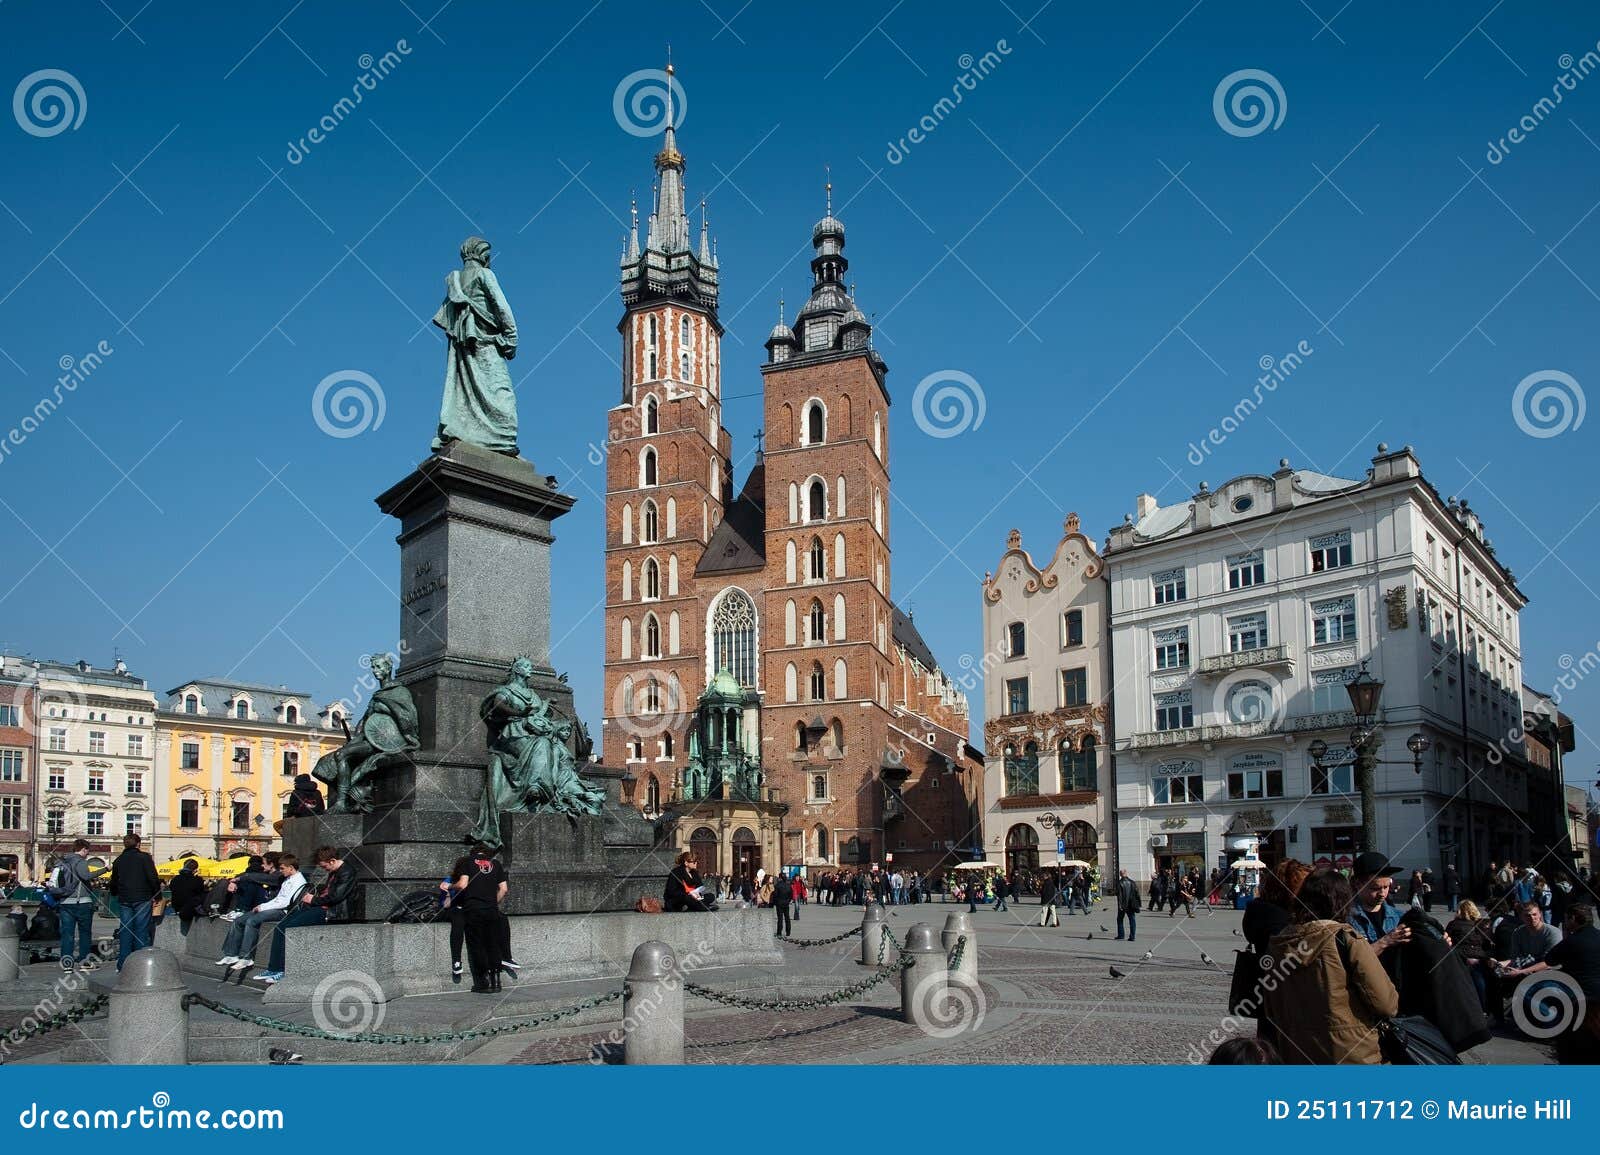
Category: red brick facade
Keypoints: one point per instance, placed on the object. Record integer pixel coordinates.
(859, 733)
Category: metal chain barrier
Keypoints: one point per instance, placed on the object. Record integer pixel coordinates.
(809, 942)
(66, 1018)
(955, 955)
(400, 1040)
(834, 998)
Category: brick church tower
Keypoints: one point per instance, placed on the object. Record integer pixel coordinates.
(771, 703)
(666, 475)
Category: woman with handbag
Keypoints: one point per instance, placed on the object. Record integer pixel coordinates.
(1328, 992)
(1270, 912)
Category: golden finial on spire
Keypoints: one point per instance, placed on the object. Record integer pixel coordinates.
(827, 170)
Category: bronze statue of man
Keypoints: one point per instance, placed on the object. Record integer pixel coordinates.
(480, 405)
(385, 736)
(531, 770)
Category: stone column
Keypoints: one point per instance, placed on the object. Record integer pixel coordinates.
(652, 1007)
(149, 1025)
(872, 929)
(10, 952)
(924, 985)
(957, 927)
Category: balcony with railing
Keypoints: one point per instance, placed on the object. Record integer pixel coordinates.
(1262, 657)
(1217, 731)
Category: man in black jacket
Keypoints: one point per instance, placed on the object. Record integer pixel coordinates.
(1434, 982)
(1127, 904)
(782, 897)
(134, 884)
(327, 903)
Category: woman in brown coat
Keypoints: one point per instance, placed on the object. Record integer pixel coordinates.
(1330, 991)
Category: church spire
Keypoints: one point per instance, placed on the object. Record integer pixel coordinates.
(668, 264)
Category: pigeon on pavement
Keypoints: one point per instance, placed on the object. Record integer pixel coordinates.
(1107, 929)
(1207, 959)
(1116, 974)
(1090, 934)
(1148, 955)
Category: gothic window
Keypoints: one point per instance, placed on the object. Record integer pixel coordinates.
(836, 728)
(651, 703)
(840, 679)
(877, 510)
(816, 501)
(685, 350)
(820, 833)
(651, 579)
(819, 787)
(816, 423)
(817, 561)
(838, 617)
(877, 435)
(652, 636)
(652, 796)
(790, 678)
(647, 468)
(838, 555)
(818, 683)
(733, 637)
(800, 736)
(627, 637)
(627, 581)
(816, 624)
(649, 524)
(652, 416)
(665, 746)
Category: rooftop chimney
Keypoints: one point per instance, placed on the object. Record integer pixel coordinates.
(1145, 503)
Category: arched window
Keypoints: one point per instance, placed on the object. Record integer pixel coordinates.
(818, 683)
(652, 795)
(816, 623)
(817, 561)
(627, 637)
(703, 845)
(241, 709)
(788, 562)
(733, 637)
(819, 787)
(627, 581)
(672, 517)
(800, 736)
(816, 423)
(649, 524)
(627, 524)
(652, 637)
(651, 698)
(838, 617)
(838, 498)
(685, 350)
(816, 501)
(1022, 848)
(836, 731)
(647, 468)
(790, 678)
(652, 579)
(1078, 767)
(877, 510)
(1079, 836)
(191, 704)
(820, 835)
(672, 576)
(841, 684)
(877, 435)
(673, 643)
(1022, 770)
(652, 415)
(838, 555)
(664, 745)
(291, 715)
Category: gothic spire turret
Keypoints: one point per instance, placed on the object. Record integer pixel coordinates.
(668, 266)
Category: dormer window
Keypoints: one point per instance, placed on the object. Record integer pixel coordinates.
(191, 704)
(291, 715)
(241, 709)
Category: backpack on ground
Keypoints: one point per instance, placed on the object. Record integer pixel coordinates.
(416, 906)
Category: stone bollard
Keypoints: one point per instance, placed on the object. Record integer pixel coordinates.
(956, 927)
(872, 928)
(149, 1024)
(652, 1007)
(10, 951)
(924, 985)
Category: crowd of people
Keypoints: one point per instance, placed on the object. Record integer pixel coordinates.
(1347, 962)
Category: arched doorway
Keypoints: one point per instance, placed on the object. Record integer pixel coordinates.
(703, 844)
(746, 853)
(1080, 841)
(1022, 849)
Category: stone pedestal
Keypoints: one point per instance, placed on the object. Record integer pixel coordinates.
(475, 537)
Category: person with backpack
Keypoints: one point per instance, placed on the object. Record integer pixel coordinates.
(71, 888)
(136, 885)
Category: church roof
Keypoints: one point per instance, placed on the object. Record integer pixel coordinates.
(739, 543)
(905, 634)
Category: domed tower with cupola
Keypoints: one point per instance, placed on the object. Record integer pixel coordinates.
(667, 466)
(830, 654)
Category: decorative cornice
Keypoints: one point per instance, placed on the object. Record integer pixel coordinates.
(1047, 578)
(1071, 722)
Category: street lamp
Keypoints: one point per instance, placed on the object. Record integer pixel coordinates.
(1365, 693)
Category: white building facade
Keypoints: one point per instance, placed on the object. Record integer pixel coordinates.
(1047, 775)
(1239, 616)
(95, 763)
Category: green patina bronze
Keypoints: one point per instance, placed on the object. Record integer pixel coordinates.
(719, 765)
(385, 737)
(480, 406)
(531, 769)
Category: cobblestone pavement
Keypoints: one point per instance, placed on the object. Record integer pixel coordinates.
(1047, 996)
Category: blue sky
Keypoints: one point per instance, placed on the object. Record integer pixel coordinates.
(1080, 235)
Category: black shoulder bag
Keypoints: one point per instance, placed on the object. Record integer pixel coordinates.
(1405, 1040)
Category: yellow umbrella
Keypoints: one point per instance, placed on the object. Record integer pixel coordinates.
(209, 868)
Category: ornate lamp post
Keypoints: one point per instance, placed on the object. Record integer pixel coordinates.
(1365, 692)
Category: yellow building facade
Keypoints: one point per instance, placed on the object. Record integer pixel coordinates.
(227, 754)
